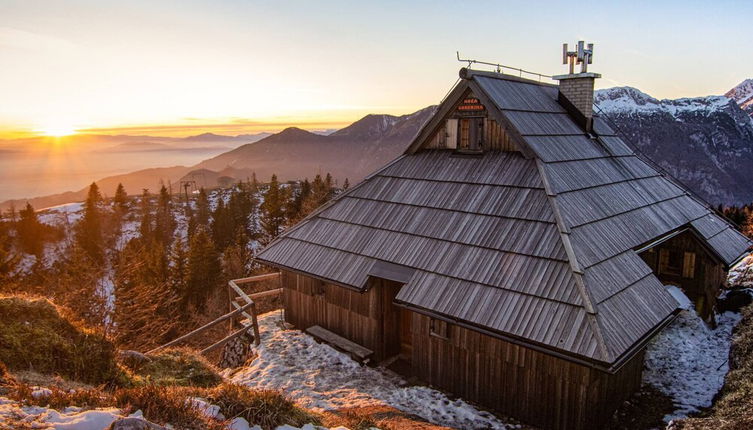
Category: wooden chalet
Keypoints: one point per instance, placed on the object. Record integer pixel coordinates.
(515, 255)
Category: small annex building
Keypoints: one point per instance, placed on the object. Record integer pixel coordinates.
(515, 255)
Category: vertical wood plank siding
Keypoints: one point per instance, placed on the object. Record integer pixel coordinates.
(708, 273)
(495, 138)
(353, 315)
(532, 386)
(537, 388)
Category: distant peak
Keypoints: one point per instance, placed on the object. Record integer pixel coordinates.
(634, 94)
(292, 131)
(742, 93)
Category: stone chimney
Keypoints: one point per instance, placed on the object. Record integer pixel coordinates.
(577, 96)
(576, 90)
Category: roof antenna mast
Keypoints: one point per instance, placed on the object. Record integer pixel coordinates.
(499, 67)
(583, 56)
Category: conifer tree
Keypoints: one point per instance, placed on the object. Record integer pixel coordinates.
(29, 231)
(121, 200)
(77, 280)
(202, 208)
(145, 308)
(236, 258)
(8, 259)
(321, 191)
(203, 268)
(164, 220)
(146, 229)
(178, 268)
(747, 227)
(222, 226)
(273, 212)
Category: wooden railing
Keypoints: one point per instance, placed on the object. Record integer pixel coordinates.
(241, 305)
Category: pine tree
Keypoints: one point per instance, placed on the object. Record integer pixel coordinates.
(29, 231)
(222, 226)
(321, 191)
(236, 258)
(747, 227)
(8, 259)
(90, 227)
(273, 213)
(121, 200)
(178, 268)
(78, 285)
(203, 268)
(145, 229)
(145, 308)
(164, 220)
(202, 209)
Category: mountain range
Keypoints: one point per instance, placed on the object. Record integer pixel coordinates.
(705, 142)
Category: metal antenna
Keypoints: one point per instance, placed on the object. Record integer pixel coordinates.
(499, 67)
(583, 56)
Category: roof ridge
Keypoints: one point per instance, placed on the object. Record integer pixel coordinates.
(589, 303)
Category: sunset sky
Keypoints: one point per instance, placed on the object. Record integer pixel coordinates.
(177, 68)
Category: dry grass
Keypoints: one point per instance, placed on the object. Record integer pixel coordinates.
(177, 367)
(172, 405)
(268, 409)
(39, 336)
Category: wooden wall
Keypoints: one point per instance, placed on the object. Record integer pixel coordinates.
(351, 314)
(535, 387)
(532, 386)
(495, 138)
(700, 276)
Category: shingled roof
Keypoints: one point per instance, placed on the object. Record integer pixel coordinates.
(537, 245)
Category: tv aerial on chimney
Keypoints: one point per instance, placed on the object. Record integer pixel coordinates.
(583, 56)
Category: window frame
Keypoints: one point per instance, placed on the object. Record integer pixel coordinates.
(439, 328)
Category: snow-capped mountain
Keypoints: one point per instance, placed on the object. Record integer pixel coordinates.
(743, 95)
(705, 142)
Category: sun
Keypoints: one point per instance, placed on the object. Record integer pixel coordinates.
(57, 130)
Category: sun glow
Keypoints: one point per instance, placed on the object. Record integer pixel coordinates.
(57, 130)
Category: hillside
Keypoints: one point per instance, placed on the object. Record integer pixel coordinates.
(705, 142)
(351, 152)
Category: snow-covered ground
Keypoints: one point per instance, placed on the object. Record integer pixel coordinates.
(688, 361)
(62, 215)
(13, 415)
(318, 377)
(742, 273)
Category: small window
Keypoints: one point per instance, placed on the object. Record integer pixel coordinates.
(471, 134)
(671, 262)
(439, 328)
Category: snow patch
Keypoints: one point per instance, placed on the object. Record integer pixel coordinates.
(318, 377)
(687, 361)
(683, 302)
(13, 414)
(61, 215)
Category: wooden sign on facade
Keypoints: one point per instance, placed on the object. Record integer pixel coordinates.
(471, 104)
